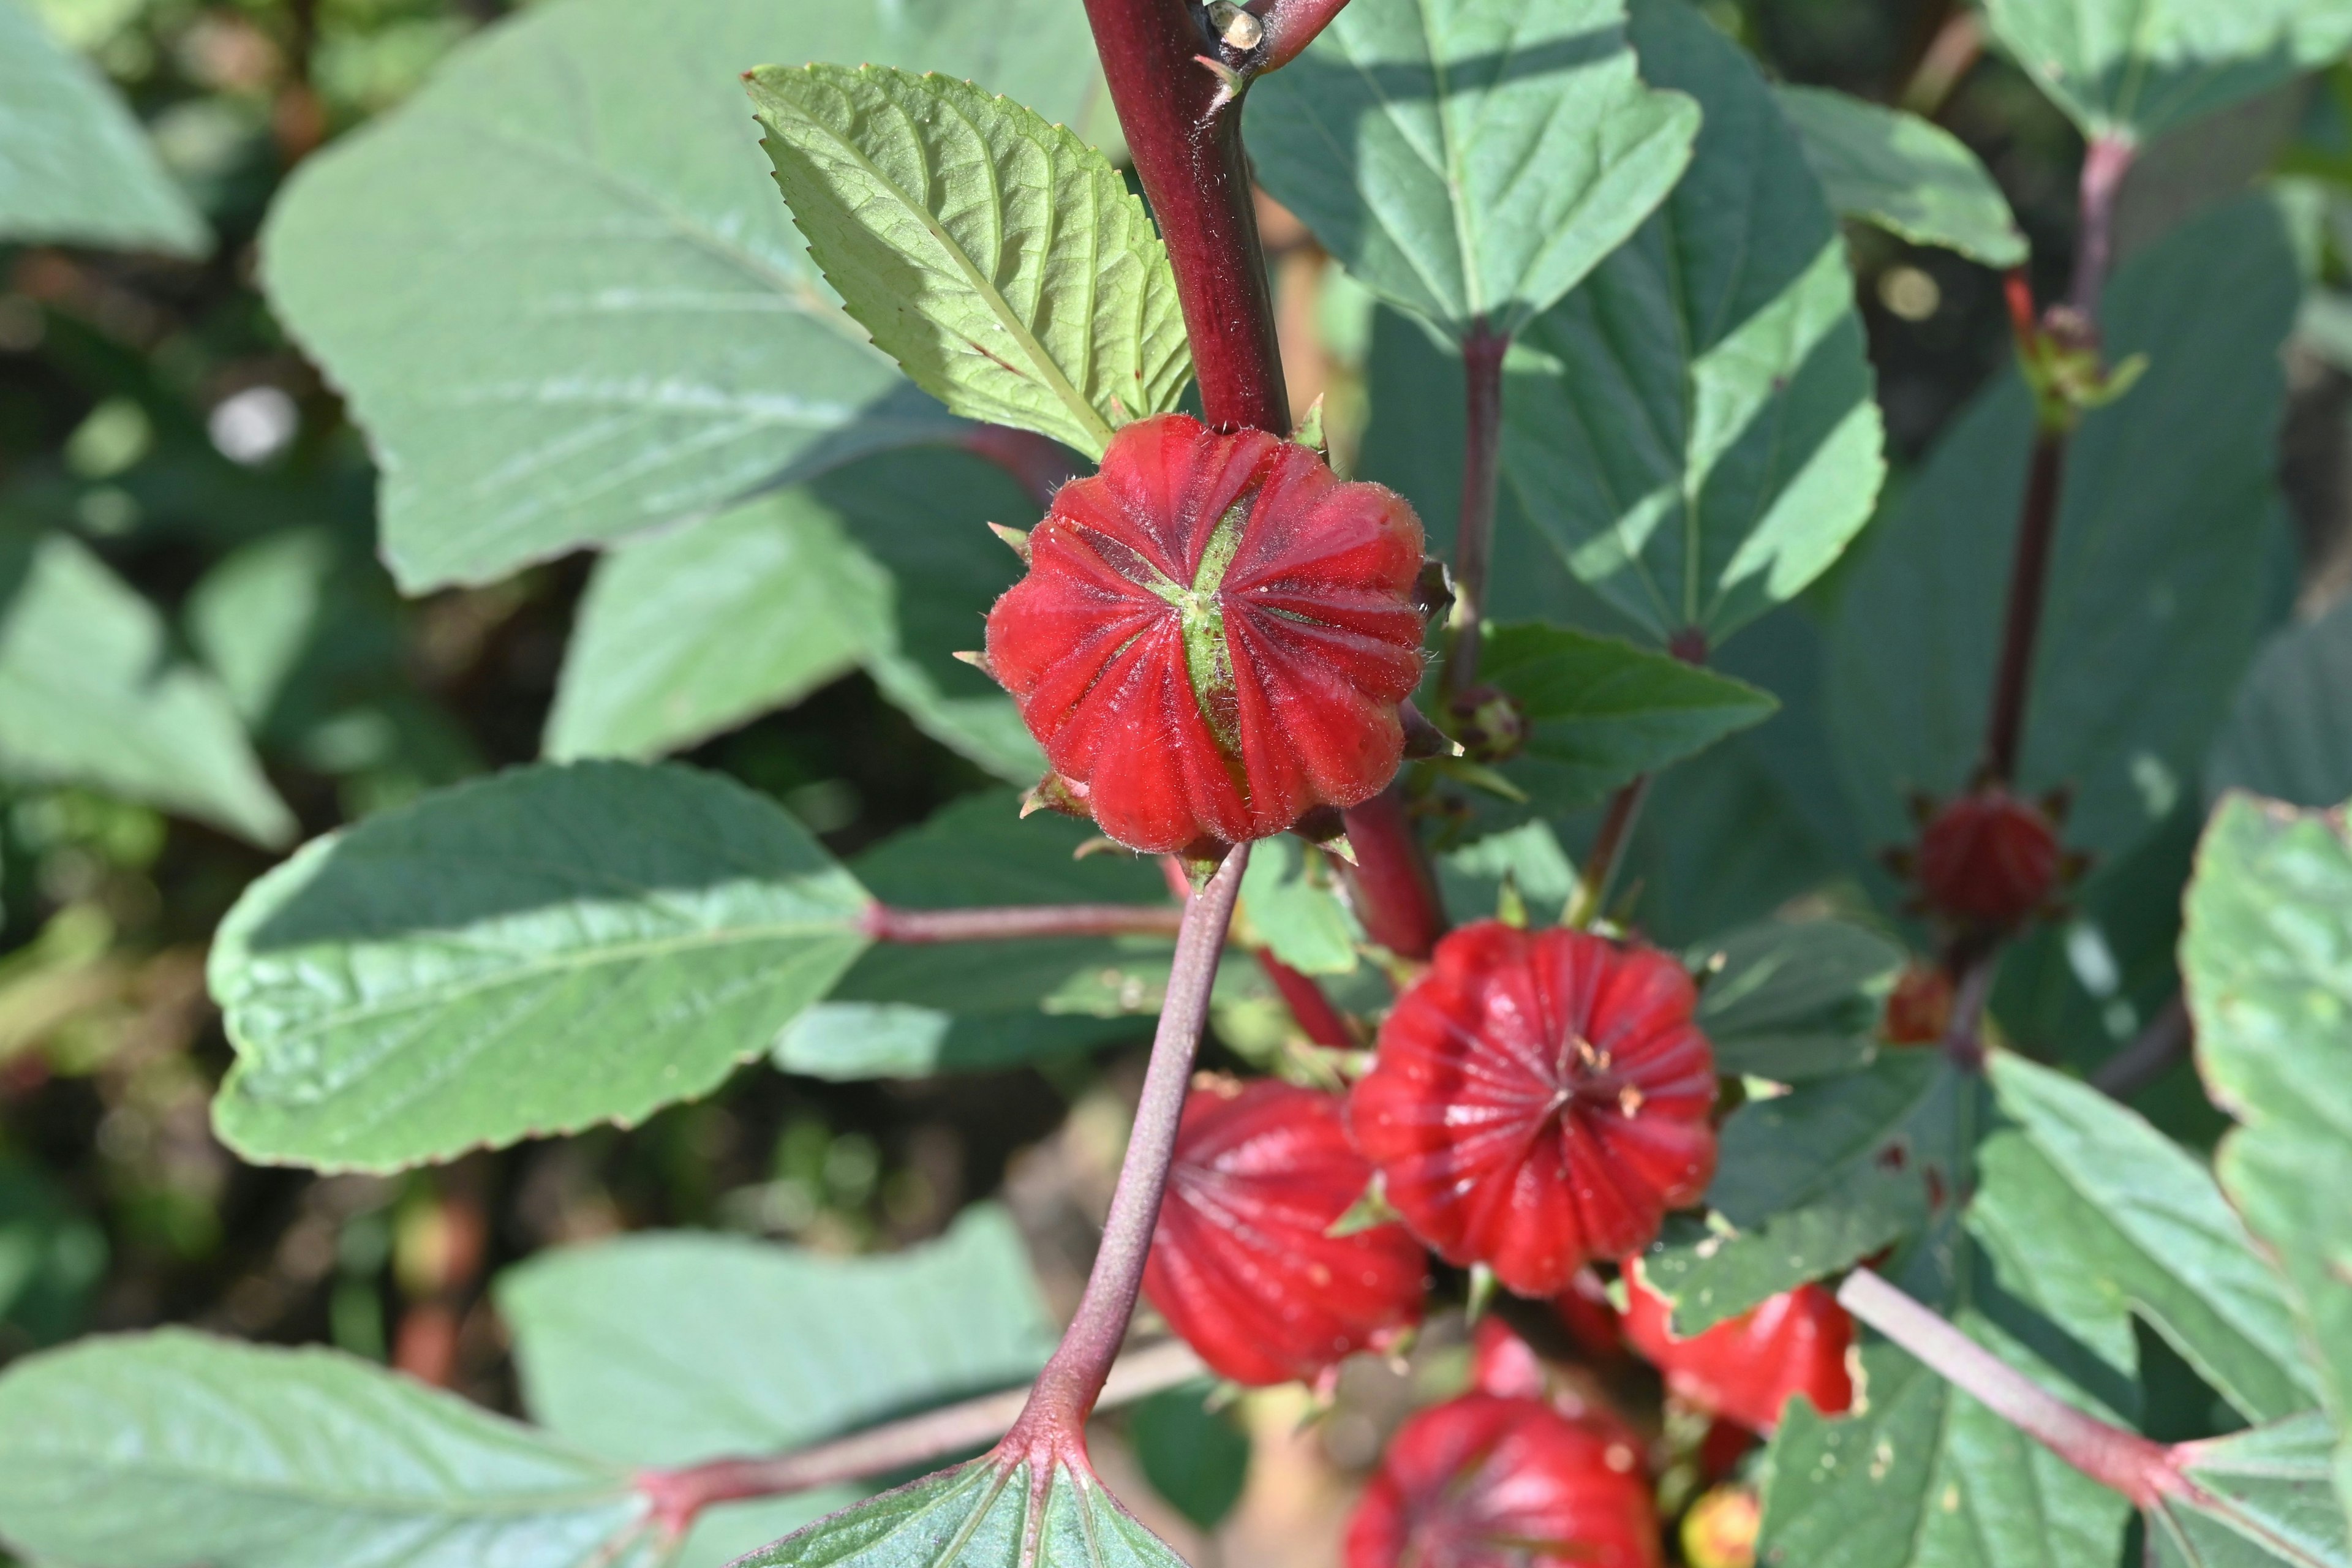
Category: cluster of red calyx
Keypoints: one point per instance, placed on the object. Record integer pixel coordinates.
(1988, 861)
(1539, 1099)
(1491, 1482)
(1214, 638)
(1243, 1265)
(1748, 1368)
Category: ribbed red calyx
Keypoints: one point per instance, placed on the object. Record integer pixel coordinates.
(1485, 1481)
(1213, 636)
(1242, 1265)
(1988, 857)
(1539, 1099)
(1748, 1368)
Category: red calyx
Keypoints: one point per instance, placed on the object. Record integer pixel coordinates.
(1748, 1368)
(1241, 1266)
(1485, 1481)
(1213, 636)
(1539, 1099)
(1989, 859)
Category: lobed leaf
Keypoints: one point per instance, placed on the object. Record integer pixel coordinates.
(2256, 1500)
(1000, 260)
(2289, 735)
(526, 954)
(1795, 1000)
(1292, 906)
(1905, 174)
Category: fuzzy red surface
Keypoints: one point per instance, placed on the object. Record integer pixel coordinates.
(1539, 1099)
(1746, 1369)
(1487, 1481)
(1989, 857)
(1240, 1265)
(1321, 637)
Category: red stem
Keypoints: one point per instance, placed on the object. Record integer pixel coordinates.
(1482, 365)
(2029, 576)
(1395, 892)
(1608, 843)
(2106, 161)
(2125, 1461)
(1184, 133)
(1316, 1015)
(1054, 1417)
(884, 922)
(1291, 26)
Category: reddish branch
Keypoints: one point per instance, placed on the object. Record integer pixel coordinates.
(1600, 871)
(1316, 1017)
(1394, 891)
(2029, 576)
(1482, 364)
(884, 922)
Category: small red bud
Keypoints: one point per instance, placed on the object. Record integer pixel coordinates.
(1988, 857)
(1213, 636)
(1747, 1368)
(1539, 1099)
(1242, 1265)
(1485, 1481)
(1919, 1007)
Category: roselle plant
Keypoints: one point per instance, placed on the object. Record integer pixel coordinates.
(1702, 916)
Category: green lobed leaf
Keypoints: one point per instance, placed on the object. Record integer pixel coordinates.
(2266, 958)
(74, 164)
(1905, 174)
(2085, 1195)
(1600, 711)
(1195, 1457)
(2289, 733)
(671, 1348)
(985, 1515)
(1470, 161)
(531, 953)
(1000, 260)
(1693, 428)
(1796, 999)
(2155, 583)
(684, 635)
(564, 300)
(91, 694)
(2135, 68)
(1293, 905)
(160, 1450)
(2259, 1500)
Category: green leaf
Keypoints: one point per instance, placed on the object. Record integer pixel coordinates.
(531, 953)
(2289, 735)
(2267, 961)
(75, 165)
(91, 694)
(684, 635)
(1796, 999)
(169, 1449)
(1905, 174)
(563, 298)
(2261, 1499)
(2134, 68)
(1472, 877)
(1470, 161)
(1196, 1458)
(2157, 576)
(2085, 1195)
(1600, 711)
(1293, 906)
(908, 1010)
(984, 1514)
(1000, 260)
(671, 1348)
(1693, 428)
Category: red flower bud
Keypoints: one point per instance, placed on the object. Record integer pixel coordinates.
(1747, 1368)
(1919, 1007)
(1483, 1481)
(1241, 1265)
(1213, 636)
(1539, 1099)
(1988, 857)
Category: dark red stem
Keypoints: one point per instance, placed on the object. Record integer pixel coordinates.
(2125, 1461)
(884, 922)
(1482, 456)
(1291, 26)
(1600, 870)
(2029, 576)
(1054, 1416)
(1394, 889)
(1308, 1004)
(2106, 161)
(2167, 1038)
(1184, 133)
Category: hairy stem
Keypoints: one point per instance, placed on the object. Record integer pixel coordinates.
(1393, 889)
(1482, 365)
(1066, 1390)
(2127, 1462)
(679, 1496)
(1600, 870)
(1183, 131)
(1291, 26)
(2029, 576)
(885, 922)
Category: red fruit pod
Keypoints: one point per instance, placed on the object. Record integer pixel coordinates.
(1988, 857)
(1242, 1266)
(1485, 1481)
(1747, 1368)
(1213, 636)
(1539, 1099)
